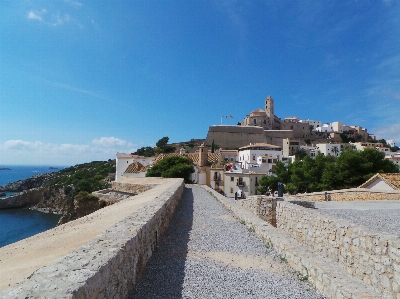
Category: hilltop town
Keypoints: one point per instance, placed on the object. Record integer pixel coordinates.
(233, 158)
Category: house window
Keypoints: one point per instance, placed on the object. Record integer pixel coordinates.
(232, 179)
(231, 190)
(255, 122)
(254, 158)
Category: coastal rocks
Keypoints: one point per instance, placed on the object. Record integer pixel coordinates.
(83, 204)
(25, 199)
(36, 181)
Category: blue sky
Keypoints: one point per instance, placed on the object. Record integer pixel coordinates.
(81, 80)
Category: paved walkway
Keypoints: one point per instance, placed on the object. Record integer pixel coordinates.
(207, 253)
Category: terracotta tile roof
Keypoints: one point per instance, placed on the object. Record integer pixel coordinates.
(194, 157)
(392, 179)
(135, 167)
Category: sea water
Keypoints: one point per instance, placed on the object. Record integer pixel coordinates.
(18, 224)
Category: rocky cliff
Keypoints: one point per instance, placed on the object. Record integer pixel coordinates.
(66, 192)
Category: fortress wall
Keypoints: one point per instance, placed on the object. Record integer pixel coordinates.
(350, 195)
(108, 265)
(234, 136)
(372, 256)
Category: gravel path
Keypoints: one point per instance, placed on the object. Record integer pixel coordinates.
(382, 220)
(207, 253)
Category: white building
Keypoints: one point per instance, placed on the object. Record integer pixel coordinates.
(394, 158)
(243, 184)
(330, 149)
(259, 157)
(314, 123)
(362, 145)
(335, 127)
(310, 150)
(132, 165)
(390, 143)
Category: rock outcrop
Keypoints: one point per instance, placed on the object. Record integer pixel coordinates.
(36, 181)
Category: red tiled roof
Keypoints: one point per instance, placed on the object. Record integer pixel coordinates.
(194, 157)
(135, 167)
(392, 179)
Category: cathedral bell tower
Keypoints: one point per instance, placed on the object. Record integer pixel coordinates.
(269, 110)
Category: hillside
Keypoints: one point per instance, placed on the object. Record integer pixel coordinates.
(66, 192)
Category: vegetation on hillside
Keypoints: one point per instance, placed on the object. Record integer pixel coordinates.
(323, 173)
(87, 177)
(162, 147)
(172, 167)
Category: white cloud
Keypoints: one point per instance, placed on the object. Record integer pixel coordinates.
(58, 19)
(73, 3)
(37, 15)
(52, 19)
(109, 141)
(388, 132)
(37, 152)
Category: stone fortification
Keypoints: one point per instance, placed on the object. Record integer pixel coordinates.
(328, 277)
(371, 256)
(234, 136)
(107, 265)
(350, 195)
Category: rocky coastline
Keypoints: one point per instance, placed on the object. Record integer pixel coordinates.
(40, 193)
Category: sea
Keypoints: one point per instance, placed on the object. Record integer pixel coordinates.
(18, 224)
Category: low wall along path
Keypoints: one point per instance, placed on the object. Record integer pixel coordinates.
(97, 256)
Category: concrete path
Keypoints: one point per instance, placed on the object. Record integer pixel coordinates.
(207, 253)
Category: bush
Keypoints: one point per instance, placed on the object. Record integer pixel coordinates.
(85, 196)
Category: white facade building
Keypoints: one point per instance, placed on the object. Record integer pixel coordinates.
(127, 165)
(315, 123)
(335, 127)
(259, 157)
(330, 149)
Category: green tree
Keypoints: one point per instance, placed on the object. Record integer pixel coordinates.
(163, 147)
(172, 167)
(280, 174)
(162, 142)
(355, 167)
(300, 153)
(147, 151)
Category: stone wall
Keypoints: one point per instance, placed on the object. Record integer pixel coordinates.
(328, 277)
(372, 256)
(350, 195)
(262, 206)
(108, 265)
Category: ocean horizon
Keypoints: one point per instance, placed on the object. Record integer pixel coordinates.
(18, 224)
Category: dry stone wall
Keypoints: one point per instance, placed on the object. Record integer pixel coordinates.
(372, 256)
(108, 265)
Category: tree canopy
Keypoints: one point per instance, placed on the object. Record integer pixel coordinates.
(172, 167)
(147, 151)
(163, 147)
(349, 170)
